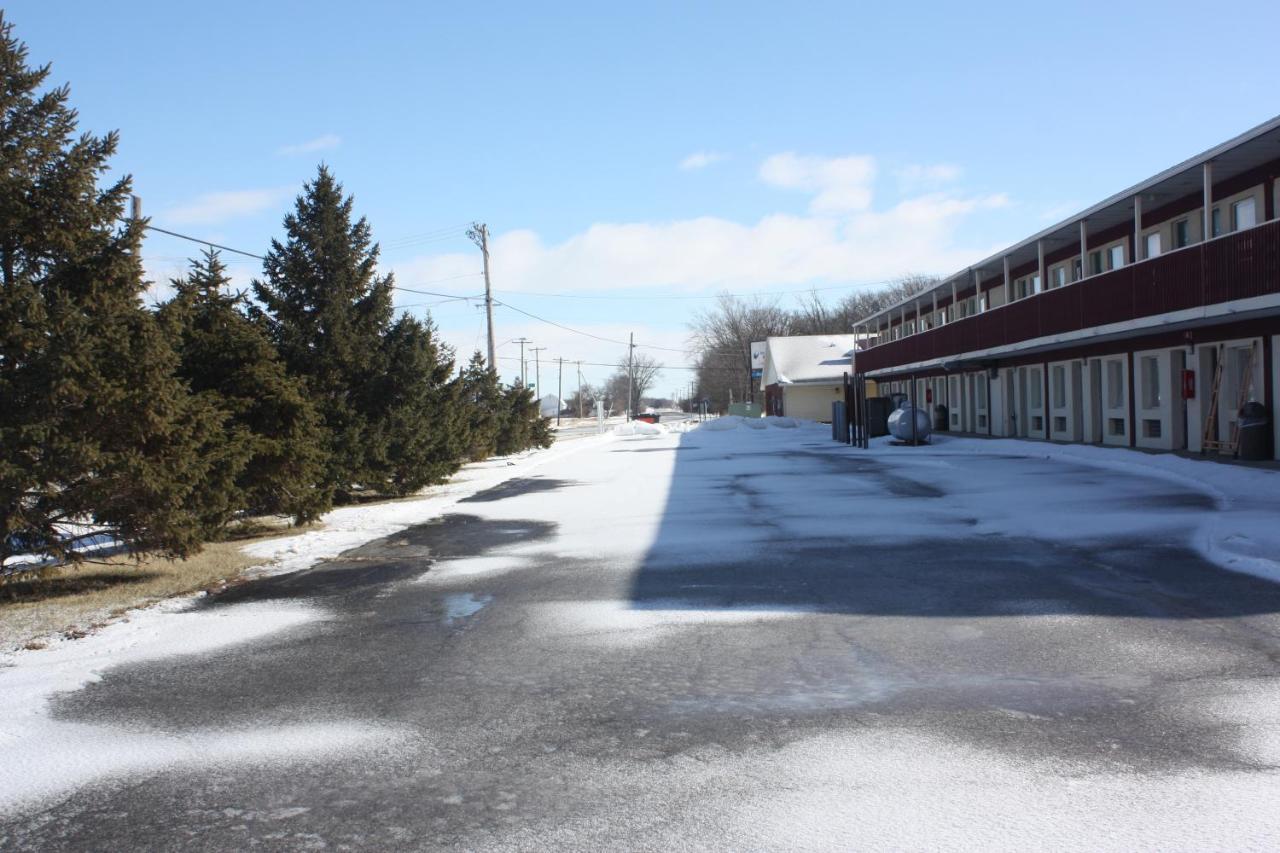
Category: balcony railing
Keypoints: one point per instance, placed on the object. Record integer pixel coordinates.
(1236, 266)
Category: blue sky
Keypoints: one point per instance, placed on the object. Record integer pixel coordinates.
(657, 149)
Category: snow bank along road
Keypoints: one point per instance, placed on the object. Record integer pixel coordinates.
(717, 639)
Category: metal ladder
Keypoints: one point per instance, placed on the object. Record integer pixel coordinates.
(1209, 440)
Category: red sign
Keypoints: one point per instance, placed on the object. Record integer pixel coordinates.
(1188, 384)
(928, 395)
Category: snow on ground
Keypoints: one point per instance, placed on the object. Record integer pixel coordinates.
(845, 785)
(1244, 535)
(45, 757)
(350, 527)
(623, 623)
(906, 790)
(1019, 493)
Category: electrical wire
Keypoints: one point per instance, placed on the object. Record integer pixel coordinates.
(597, 363)
(208, 243)
(584, 334)
(655, 296)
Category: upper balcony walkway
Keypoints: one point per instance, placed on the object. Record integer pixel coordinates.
(1235, 266)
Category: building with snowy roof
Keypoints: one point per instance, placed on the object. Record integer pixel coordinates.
(804, 374)
(1151, 319)
(550, 406)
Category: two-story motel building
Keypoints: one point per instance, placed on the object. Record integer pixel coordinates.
(1107, 327)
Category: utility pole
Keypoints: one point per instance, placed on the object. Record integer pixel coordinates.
(580, 391)
(559, 391)
(479, 234)
(537, 367)
(522, 342)
(631, 348)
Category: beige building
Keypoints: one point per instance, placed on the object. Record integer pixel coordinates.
(804, 374)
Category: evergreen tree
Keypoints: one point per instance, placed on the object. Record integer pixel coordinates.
(327, 312)
(480, 401)
(521, 425)
(416, 420)
(268, 453)
(95, 430)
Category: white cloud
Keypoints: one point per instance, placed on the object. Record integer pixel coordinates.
(214, 208)
(701, 159)
(921, 176)
(320, 143)
(839, 184)
(707, 254)
(844, 239)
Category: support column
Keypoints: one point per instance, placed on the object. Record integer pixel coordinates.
(935, 306)
(1008, 282)
(1044, 285)
(1084, 249)
(1207, 232)
(1139, 250)
(977, 292)
(955, 305)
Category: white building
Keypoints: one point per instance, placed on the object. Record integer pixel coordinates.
(804, 374)
(550, 406)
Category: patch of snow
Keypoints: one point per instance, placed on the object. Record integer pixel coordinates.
(1241, 535)
(624, 623)
(351, 527)
(639, 428)
(723, 424)
(45, 757)
(468, 567)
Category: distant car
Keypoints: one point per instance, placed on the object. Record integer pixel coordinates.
(648, 417)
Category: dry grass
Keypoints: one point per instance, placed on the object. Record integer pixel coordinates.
(75, 600)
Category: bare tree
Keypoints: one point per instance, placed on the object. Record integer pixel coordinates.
(722, 337)
(644, 370)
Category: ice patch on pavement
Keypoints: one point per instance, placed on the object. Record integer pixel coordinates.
(467, 567)
(461, 606)
(625, 623)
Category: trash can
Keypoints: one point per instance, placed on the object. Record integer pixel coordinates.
(878, 411)
(1255, 432)
(940, 422)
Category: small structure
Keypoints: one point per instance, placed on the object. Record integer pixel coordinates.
(550, 406)
(804, 374)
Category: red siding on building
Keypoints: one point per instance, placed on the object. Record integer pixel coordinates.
(1237, 266)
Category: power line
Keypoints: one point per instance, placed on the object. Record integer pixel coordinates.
(584, 334)
(419, 292)
(208, 243)
(654, 296)
(448, 229)
(603, 364)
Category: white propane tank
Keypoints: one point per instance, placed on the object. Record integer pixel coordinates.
(900, 423)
